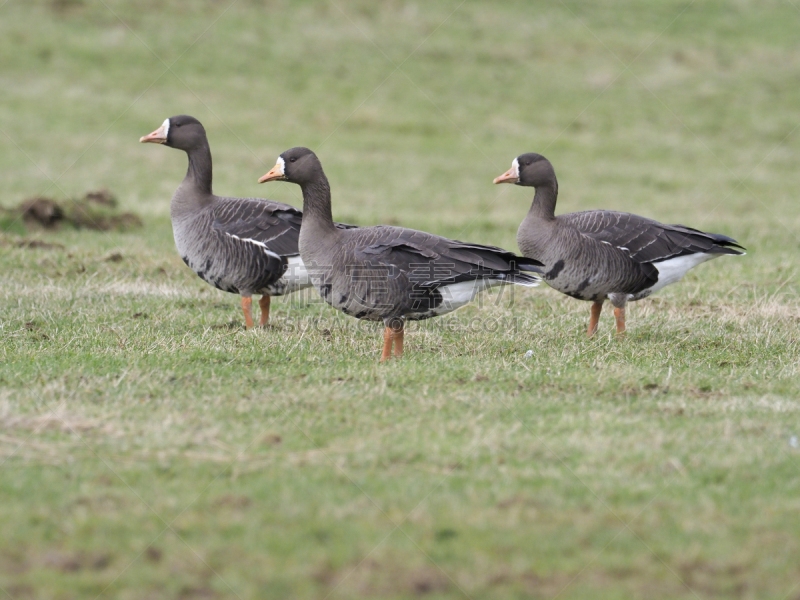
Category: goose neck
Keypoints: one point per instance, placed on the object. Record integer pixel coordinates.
(544, 201)
(199, 174)
(317, 203)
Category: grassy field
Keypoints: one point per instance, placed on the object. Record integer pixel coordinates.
(150, 447)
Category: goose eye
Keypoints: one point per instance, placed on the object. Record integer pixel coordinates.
(292, 159)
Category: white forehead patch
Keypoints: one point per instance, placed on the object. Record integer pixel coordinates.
(515, 166)
(165, 127)
(282, 163)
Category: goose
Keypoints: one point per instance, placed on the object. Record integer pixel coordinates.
(244, 246)
(389, 274)
(599, 254)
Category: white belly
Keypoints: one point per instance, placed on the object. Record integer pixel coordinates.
(673, 270)
(294, 278)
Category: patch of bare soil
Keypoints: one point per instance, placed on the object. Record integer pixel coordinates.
(96, 210)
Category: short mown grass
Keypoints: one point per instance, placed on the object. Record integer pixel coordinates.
(150, 447)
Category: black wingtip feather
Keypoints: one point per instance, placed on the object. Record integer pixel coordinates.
(722, 243)
(532, 266)
(727, 245)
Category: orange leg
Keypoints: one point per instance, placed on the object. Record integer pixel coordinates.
(388, 334)
(595, 318)
(398, 342)
(264, 304)
(619, 315)
(248, 313)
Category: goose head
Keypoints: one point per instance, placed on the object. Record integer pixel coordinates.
(529, 170)
(182, 132)
(298, 165)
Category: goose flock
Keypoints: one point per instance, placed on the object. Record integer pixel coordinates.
(389, 274)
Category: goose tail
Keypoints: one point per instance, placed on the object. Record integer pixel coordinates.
(726, 245)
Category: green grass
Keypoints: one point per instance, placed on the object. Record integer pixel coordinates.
(152, 448)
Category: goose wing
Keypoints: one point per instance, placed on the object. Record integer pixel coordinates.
(648, 241)
(274, 225)
(430, 260)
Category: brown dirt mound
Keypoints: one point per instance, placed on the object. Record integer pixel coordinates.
(95, 210)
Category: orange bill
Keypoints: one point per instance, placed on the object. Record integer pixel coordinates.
(159, 136)
(275, 172)
(510, 176)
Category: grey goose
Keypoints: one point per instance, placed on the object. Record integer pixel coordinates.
(389, 274)
(599, 254)
(244, 246)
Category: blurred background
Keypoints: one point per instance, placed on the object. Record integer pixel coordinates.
(683, 111)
